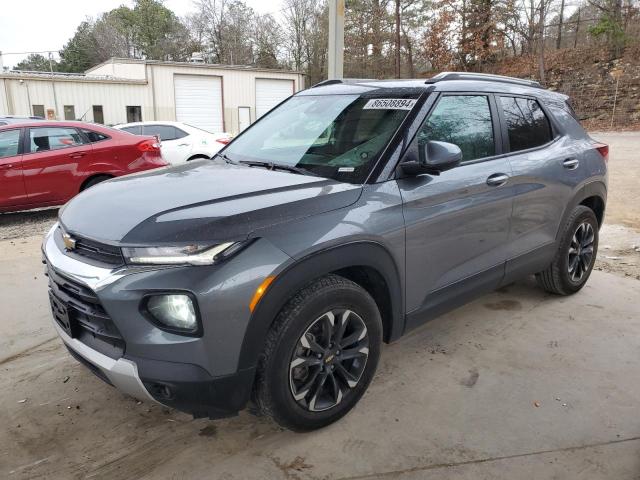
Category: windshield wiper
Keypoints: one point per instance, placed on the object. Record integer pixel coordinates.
(225, 158)
(278, 166)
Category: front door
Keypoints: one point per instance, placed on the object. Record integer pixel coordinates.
(12, 191)
(457, 223)
(52, 163)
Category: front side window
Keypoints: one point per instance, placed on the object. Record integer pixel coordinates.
(163, 132)
(527, 125)
(9, 142)
(53, 138)
(333, 136)
(465, 121)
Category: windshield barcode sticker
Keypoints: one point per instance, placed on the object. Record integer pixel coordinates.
(390, 104)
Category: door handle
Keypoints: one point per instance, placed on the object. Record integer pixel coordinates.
(497, 179)
(571, 163)
(183, 145)
(6, 166)
(77, 154)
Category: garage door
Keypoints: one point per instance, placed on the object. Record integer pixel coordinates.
(270, 92)
(199, 101)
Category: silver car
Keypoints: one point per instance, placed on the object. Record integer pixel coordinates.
(347, 216)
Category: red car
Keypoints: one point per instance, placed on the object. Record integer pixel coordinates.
(44, 163)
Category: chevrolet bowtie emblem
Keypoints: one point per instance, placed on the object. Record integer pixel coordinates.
(69, 241)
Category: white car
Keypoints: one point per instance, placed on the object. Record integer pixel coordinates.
(180, 142)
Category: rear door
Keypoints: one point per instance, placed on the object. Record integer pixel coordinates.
(546, 173)
(457, 223)
(52, 163)
(12, 189)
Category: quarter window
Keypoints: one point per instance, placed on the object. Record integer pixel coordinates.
(465, 121)
(9, 141)
(53, 138)
(527, 125)
(94, 136)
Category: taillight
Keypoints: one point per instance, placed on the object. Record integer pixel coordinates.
(603, 149)
(149, 146)
(223, 141)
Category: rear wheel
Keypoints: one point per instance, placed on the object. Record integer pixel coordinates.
(575, 256)
(320, 355)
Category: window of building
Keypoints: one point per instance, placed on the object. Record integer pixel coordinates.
(53, 138)
(98, 115)
(527, 125)
(9, 142)
(465, 121)
(69, 112)
(38, 110)
(134, 113)
(94, 136)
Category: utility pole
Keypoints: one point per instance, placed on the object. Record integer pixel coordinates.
(336, 39)
(397, 53)
(541, 53)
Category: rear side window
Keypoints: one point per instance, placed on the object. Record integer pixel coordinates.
(465, 121)
(54, 138)
(9, 141)
(137, 130)
(527, 124)
(94, 136)
(164, 132)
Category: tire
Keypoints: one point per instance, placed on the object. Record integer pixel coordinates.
(559, 277)
(94, 181)
(303, 320)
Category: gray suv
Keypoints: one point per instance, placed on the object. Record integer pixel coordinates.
(350, 214)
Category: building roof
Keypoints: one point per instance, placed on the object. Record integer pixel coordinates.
(69, 77)
(114, 60)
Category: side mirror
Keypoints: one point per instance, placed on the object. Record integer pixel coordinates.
(434, 157)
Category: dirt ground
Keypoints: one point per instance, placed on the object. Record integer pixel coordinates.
(518, 384)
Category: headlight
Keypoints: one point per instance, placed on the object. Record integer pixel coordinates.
(175, 311)
(189, 255)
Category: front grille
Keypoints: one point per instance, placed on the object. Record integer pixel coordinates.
(99, 252)
(79, 312)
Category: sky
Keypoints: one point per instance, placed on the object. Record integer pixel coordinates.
(39, 25)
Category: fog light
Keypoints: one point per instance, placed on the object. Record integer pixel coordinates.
(174, 311)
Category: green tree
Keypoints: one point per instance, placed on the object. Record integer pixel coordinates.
(37, 63)
(79, 53)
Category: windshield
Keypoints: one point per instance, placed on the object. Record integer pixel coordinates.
(333, 136)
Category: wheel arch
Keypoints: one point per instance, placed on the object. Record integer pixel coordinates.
(368, 264)
(86, 181)
(592, 195)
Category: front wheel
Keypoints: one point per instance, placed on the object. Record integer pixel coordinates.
(575, 256)
(320, 356)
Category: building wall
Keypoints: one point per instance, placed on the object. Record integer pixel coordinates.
(114, 97)
(151, 87)
(238, 89)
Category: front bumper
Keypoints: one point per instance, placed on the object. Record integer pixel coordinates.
(199, 376)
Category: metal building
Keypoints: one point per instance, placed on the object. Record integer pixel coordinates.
(213, 97)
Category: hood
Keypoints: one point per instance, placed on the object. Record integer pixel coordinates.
(201, 201)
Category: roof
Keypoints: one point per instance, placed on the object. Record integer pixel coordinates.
(67, 77)
(56, 123)
(219, 66)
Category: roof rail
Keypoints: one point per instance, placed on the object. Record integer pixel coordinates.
(327, 82)
(486, 77)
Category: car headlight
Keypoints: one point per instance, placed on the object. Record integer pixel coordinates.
(175, 311)
(184, 255)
